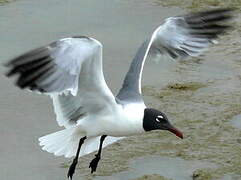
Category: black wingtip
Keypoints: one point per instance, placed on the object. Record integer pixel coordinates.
(210, 23)
(6, 64)
(225, 10)
(211, 16)
(9, 73)
(81, 37)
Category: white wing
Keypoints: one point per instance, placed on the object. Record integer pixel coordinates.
(178, 38)
(70, 70)
(190, 35)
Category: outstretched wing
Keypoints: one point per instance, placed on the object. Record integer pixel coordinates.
(178, 37)
(70, 71)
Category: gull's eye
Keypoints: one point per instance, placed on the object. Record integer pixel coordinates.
(159, 118)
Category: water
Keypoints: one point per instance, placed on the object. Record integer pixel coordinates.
(231, 177)
(236, 121)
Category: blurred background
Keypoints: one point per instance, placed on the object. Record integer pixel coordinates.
(201, 96)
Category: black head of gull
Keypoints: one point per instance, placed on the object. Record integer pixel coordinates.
(156, 120)
(70, 71)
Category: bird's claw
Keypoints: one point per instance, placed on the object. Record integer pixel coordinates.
(94, 163)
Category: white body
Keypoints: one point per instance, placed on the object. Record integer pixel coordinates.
(123, 121)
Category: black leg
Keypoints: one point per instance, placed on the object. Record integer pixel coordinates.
(94, 163)
(75, 161)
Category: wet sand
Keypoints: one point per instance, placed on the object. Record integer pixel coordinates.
(170, 168)
(200, 96)
(236, 121)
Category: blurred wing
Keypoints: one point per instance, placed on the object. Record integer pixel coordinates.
(190, 35)
(179, 37)
(70, 71)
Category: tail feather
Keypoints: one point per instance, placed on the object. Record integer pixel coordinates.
(58, 142)
(65, 142)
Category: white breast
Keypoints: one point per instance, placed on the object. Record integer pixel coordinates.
(123, 121)
(129, 120)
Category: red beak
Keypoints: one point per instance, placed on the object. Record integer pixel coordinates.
(176, 132)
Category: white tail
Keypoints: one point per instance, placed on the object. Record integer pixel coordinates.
(65, 142)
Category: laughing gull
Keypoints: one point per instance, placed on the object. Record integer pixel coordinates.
(70, 72)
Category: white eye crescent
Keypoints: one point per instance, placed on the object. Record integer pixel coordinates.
(157, 120)
(160, 116)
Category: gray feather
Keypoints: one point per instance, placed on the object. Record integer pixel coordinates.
(130, 87)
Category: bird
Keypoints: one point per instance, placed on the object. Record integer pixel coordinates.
(69, 70)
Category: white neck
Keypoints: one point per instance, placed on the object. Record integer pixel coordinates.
(131, 120)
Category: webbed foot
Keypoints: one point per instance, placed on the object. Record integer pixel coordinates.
(94, 163)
